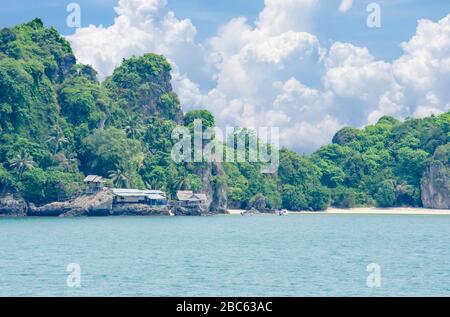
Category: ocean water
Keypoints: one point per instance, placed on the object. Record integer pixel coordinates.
(296, 255)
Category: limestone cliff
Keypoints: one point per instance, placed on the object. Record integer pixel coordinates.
(214, 186)
(142, 85)
(435, 186)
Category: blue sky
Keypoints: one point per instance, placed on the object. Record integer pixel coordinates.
(306, 66)
(399, 18)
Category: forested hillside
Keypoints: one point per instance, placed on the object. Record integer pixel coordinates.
(59, 123)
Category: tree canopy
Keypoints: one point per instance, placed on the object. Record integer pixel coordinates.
(59, 123)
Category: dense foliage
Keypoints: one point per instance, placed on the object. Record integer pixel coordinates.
(59, 123)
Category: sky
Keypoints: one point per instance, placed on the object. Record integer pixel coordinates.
(309, 67)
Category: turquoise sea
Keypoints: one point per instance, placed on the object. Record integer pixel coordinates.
(296, 255)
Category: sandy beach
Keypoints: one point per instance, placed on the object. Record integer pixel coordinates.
(369, 211)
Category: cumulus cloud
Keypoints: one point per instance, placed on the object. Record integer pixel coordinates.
(288, 15)
(275, 72)
(254, 72)
(141, 26)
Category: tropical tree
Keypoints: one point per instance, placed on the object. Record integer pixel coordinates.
(133, 127)
(68, 162)
(57, 140)
(104, 150)
(121, 177)
(156, 179)
(181, 182)
(22, 162)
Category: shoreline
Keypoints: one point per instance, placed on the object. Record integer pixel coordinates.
(366, 211)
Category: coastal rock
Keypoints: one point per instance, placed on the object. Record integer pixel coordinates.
(435, 187)
(11, 203)
(214, 186)
(220, 190)
(99, 204)
(139, 210)
(199, 211)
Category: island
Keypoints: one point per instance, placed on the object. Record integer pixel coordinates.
(59, 125)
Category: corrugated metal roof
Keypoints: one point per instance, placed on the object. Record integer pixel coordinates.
(136, 191)
(151, 194)
(156, 197)
(188, 195)
(184, 194)
(93, 179)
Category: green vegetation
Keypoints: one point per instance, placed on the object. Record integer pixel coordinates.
(59, 123)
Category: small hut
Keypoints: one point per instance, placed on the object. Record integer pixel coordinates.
(94, 184)
(188, 199)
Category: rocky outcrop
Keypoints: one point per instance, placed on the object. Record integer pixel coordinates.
(220, 190)
(214, 186)
(435, 187)
(192, 211)
(260, 204)
(11, 203)
(138, 210)
(86, 205)
(150, 92)
(100, 204)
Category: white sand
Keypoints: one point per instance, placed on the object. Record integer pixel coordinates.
(235, 212)
(368, 211)
(390, 211)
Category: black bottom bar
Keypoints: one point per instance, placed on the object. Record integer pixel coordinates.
(223, 306)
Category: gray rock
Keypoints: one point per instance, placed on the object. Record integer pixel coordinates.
(11, 203)
(435, 187)
(138, 210)
(220, 190)
(192, 211)
(87, 205)
(214, 186)
(100, 204)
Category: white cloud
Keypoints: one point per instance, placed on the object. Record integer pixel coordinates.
(141, 26)
(259, 74)
(345, 5)
(287, 15)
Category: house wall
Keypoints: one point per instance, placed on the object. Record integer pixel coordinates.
(138, 200)
(130, 199)
(189, 203)
(94, 187)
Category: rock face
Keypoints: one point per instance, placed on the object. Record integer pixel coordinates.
(214, 186)
(435, 187)
(89, 205)
(220, 191)
(11, 203)
(199, 211)
(143, 85)
(100, 204)
(139, 210)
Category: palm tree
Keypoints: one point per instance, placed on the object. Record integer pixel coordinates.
(181, 182)
(156, 179)
(121, 177)
(154, 183)
(22, 162)
(132, 127)
(57, 140)
(67, 161)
